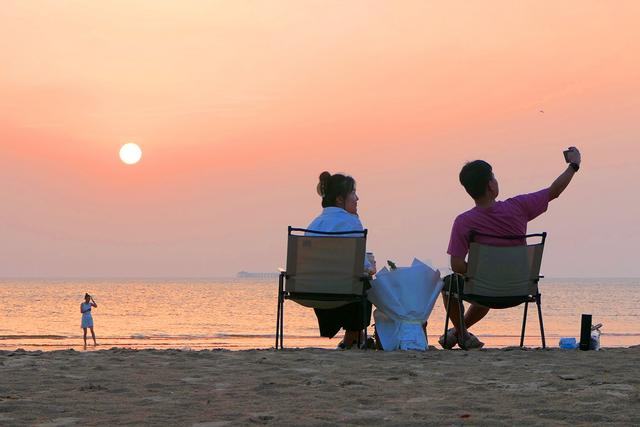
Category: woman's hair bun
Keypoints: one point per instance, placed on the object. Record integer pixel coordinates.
(322, 185)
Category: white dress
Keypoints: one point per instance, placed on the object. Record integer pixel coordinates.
(87, 320)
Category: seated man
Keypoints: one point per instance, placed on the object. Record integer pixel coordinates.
(489, 216)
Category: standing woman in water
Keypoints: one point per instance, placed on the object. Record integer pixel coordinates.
(87, 320)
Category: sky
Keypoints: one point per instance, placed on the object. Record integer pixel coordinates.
(239, 105)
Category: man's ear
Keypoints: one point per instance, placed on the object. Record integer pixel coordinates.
(340, 201)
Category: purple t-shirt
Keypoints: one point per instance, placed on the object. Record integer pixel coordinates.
(508, 218)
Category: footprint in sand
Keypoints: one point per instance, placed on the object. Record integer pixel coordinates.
(61, 422)
(212, 424)
(261, 419)
(155, 399)
(192, 380)
(350, 383)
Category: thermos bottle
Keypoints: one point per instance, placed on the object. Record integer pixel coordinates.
(585, 332)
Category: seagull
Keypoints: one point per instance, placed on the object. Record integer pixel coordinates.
(542, 111)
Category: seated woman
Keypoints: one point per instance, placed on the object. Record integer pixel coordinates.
(340, 213)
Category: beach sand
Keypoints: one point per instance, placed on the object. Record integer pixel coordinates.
(320, 387)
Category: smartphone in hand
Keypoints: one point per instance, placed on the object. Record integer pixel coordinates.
(566, 155)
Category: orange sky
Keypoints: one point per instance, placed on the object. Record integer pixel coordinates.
(239, 105)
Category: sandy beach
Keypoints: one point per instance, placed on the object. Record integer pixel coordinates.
(320, 387)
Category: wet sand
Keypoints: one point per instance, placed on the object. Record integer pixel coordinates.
(320, 387)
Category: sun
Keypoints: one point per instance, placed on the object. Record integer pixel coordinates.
(130, 153)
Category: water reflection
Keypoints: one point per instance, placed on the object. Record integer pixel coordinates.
(240, 314)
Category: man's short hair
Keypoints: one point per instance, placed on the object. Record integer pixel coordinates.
(475, 177)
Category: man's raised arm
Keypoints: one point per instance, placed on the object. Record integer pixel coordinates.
(564, 179)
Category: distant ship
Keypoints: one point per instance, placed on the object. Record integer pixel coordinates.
(253, 275)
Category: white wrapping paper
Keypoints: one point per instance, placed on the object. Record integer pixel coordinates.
(404, 299)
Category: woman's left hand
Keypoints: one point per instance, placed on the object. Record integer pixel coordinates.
(373, 270)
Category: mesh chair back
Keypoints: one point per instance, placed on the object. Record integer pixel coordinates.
(325, 265)
(495, 271)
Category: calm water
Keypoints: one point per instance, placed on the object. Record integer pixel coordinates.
(240, 314)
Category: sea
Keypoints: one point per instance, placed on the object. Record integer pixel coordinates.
(240, 314)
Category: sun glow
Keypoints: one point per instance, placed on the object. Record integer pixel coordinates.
(130, 153)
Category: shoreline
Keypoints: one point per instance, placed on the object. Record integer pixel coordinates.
(319, 387)
(41, 343)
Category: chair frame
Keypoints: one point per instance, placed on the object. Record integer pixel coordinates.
(284, 295)
(458, 292)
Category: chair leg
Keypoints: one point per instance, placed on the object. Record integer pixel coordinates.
(524, 323)
(539, 304)
(280, 307)
(446, 313)
(366, 339)
(282, 325)
(278, 320)
(463, 327)
(364, 318)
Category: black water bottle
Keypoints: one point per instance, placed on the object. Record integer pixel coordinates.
(585, 332)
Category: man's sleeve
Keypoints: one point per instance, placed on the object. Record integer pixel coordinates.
(533, 204)
(459, 241)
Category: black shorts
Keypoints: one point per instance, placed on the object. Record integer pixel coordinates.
(485, 301)
(350, 317)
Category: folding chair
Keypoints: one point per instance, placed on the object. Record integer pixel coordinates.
(324, 270)
(499, 277)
